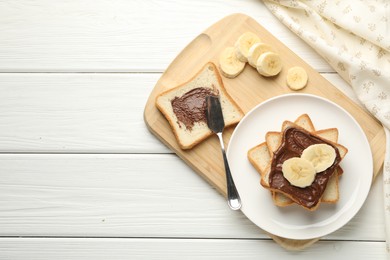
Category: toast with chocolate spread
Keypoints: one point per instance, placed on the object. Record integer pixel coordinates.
(184, 106)
(260, 158)
(263, 155)
(294, 142)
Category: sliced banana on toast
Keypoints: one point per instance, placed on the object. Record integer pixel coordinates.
(321, 156)
(299, 172)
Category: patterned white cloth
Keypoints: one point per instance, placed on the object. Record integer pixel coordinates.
(353, 36)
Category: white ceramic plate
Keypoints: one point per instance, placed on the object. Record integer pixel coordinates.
(294, 221)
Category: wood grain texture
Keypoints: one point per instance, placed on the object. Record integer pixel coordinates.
(248, 90)
(63, 248)
(141, 195)
(101, 36)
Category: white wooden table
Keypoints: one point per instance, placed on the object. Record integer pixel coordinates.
(81, 176)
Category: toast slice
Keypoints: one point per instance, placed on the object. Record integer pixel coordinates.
(273, 140)
(255, 159)
(290, 191)
(260, 158)
(184, 106)
(331, 194)
(293, 192)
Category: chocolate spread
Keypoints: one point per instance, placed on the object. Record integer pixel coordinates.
(191, 107)
(293, 143)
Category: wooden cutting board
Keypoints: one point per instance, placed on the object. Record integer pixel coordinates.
(248, 90)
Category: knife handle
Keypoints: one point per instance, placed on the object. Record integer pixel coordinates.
(233, 197)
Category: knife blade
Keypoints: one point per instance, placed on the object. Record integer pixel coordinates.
(216, 123)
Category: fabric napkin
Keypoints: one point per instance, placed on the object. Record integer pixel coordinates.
(353, 36)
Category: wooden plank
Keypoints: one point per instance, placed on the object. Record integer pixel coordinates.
(81, 112)
(248, 90)
(70, 248)
(133, 196)
(75, 113)
(97, 36)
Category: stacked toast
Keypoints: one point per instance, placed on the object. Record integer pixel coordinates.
(263, 155)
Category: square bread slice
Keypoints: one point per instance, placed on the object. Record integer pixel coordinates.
(331, 192)
(260, 157)
(207, 80)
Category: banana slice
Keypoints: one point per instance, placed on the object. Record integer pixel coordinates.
(243, 44)
(299, 172)
(269, 64)
(296, 78)
(321, 156)
(229, 64)
(256, 50)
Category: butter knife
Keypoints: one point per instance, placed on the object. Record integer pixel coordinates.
(216, 124)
